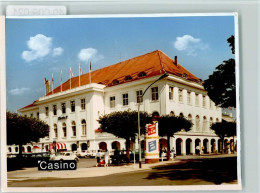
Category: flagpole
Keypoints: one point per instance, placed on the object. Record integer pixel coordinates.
(61, 80)
(79, 74)
(52, 82)
(70, 77)
(89, 72)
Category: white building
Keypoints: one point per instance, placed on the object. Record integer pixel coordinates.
(73, 108)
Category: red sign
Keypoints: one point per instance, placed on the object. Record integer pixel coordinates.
(152, 129)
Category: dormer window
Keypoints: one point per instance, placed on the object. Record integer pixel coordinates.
(115, 82)
(199, 81)
(128, 78)
(141, 74)
(184, 76)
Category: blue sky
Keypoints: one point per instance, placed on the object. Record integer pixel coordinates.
(36, 48)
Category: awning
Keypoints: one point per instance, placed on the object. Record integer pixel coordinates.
(61, 145)
(58, 146)
(36, 147)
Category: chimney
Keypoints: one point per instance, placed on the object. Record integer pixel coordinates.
(176, 61)
(48, 86)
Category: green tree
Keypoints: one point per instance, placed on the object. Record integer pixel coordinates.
(221, 85)
(123, 124)
(169, 125)
(22, 130)
(224, 129)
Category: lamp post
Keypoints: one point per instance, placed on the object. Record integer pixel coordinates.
(139, 132)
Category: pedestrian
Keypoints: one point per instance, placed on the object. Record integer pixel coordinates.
(106, 158)
(98, 156)
(172, 153)
(202, 149)
(116, 155)
(198, 150)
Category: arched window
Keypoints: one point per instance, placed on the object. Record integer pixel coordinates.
(64, 129)
(141, 74)
(55, 130)
(73, 127)
(217, 120)
(210, 121)
(84, 127)
(29, 149)
(190, 119)
(16, 149)
(204, 123)
(171, 113)
(128, 78)
(181, 115)
(114, 82)
(10, 149)
(197, 123)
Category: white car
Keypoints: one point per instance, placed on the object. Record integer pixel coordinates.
(66, 156)
(83, 153)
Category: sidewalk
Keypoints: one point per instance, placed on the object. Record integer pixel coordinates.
(33, 173)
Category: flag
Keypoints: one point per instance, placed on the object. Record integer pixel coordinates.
(71, 73)
(52, 79)
(61, 75)
(45, 80)
(80, 70)
(89, 66)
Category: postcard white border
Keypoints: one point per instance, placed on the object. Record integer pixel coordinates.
(116, 188)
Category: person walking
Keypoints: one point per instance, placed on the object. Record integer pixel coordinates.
(106, 158)
(98, 156)
(198, 150)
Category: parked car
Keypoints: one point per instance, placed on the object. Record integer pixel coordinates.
(92, 153)
(66, 156)
(82, 154)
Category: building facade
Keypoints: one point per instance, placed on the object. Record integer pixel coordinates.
(72, 109)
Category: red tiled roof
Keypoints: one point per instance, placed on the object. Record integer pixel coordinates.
(153, 63)
(30, 105)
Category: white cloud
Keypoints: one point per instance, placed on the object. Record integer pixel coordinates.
(189, 44)
(89, 54)
(39, 46)
(18, 91)
(57, 51)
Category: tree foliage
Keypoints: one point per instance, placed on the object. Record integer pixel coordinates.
(124, 124)
(221, 85)
(22, 130)
(224, 129)
(169, 125)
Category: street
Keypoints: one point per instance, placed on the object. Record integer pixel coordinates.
(204, 171)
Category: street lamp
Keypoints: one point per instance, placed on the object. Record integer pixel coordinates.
(139, 139)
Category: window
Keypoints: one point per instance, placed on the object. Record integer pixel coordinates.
(54, 107)
(180, 96)
(63, 108)
(73, 127)
(171, 93)
(31, 115)
(64, 129)
(139, 98)
(181, 115)
(155, 95)
(72, 106)
(16, 149)
(83, 104)
(10, 149)
(190, 118)
(189, 98)
(128, 78)
(112, 102)
(217, 120)
(55, 130)
(204, 123)
(197, 123)
(197, 99)
(47, 111)
(125, 99)
(114, 82)
(38, 115)
(84, 128)
(210, 121)
(204, 101)
(172, 113)
(141, 74)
